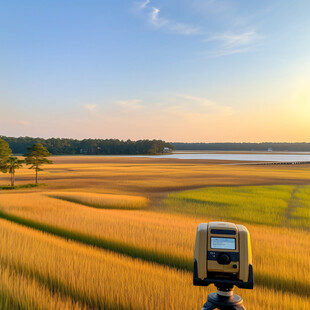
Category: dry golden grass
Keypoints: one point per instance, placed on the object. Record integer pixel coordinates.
(143, 176)
(69, 274)
(98, 279)
(281, 258)
(282, 255)
(154, 231)
(20, 291)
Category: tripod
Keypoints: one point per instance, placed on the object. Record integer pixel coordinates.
(224, 299)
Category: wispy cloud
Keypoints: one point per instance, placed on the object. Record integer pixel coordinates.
(168, 116)
(239, 37)
(154, 18)
(233, 43)
(129, 105)
(235, 40)
(90, 107)
(189, 105)
(184, 29)
(175, 116)
(144, 4)
(172, 105)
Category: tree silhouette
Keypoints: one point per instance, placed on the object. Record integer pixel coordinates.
(36, 157)
(11, 165)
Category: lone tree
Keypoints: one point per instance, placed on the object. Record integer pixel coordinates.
(11, 165)
(5, 153)
(36, 157)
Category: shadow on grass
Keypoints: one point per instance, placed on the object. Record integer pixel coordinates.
(263, 280)
(60, 287)
(115, 207)
(21, 186)
(9, 302)
(165, 259)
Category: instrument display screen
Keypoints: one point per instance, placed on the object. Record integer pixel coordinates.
(223, 243)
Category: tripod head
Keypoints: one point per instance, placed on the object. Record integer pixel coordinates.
(224, 299)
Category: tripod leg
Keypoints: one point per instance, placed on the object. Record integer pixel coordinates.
(208, 306)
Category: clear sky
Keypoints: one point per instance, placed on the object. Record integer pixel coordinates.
(178, 70)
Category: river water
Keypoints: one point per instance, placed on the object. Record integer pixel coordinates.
(276, 157)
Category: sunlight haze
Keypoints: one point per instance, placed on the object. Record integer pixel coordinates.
(191, 71)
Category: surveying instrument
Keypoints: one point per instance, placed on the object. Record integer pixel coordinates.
(223, 257)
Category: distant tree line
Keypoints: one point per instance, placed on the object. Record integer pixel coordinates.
(57, 146)
(265, 146)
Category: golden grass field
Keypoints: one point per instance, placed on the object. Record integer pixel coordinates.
(118, 233)
(103, 201)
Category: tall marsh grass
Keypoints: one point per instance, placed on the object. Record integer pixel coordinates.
(21, 291)
(151, 235)
(81, 276)
(281, 255)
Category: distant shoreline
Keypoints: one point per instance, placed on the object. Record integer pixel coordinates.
(238, 152)
(214, 157)
(268, 147)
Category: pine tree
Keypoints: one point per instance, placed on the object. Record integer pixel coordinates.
(12, 164)
(36, 157)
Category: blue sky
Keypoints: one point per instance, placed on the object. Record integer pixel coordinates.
(199, 70)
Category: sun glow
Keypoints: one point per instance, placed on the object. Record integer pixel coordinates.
(302, 95)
